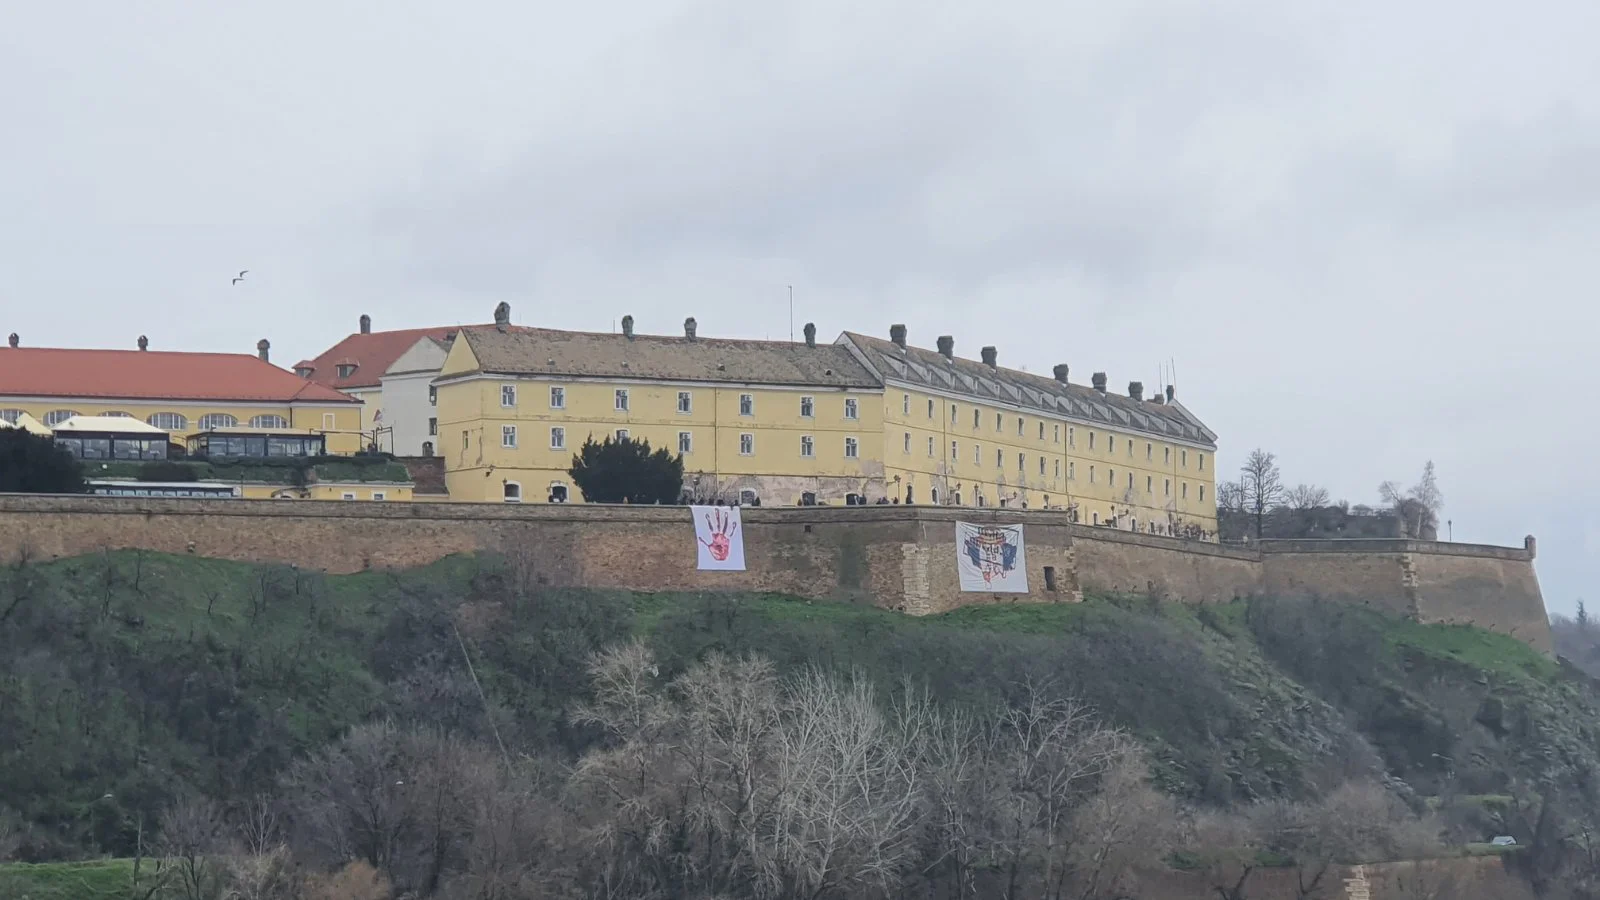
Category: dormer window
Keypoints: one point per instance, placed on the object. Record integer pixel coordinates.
(304, 371)
(347, 369)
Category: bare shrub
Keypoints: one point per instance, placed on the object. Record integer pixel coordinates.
(356, 881)
(193, 841)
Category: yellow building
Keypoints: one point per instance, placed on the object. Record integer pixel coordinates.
(968, 433)
(777, 423)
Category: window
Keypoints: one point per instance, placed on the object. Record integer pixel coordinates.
(747, 444)
(1022, 462)
(1183, 490)
(466, 439)
(329, 422)
(1041, 431)
(930, 446)
(1130, 481)
(348, 495)
(1149, 450)
(1096, 518)
(1202, 493)
(117, 415)
(747, 404)
(1057, 434)
(433, 427)
(905, 404)
(345, 371)
(1058, 468)
(807, 445)
(558, 438)
(808, 408)
(999, 422)
(1091, 474)
(930, 407)
(999, 458)
(558, 398)
(1019, 426)
(953, 449)
(977, 454)
(1111, 443)
(748, 497)
(851, 409)
(558, 492)
(508, 436)
(1149, 484)
(977, 418)
(933, 494)
(1184, 457)
(622, 434)
(957, 497)
(511, 492)
(622, 399)
(379, 495)
(433, 395)
(1130, 448)
(211, 421)
(952, 414)
(1166, 456)
(1166, 488)
(852, 448)
(1050, 578)
(685, 442)
(269, 422)
(685, 402)
(907, 447)
(1202, 462)
(1041, 465)
(1111, 477)
(1072, 437)
(168, 421)
(1072, 470)
(1091, 440)
(508, 395)
(427, 448)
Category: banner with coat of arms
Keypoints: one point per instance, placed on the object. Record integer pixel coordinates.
(991, 559)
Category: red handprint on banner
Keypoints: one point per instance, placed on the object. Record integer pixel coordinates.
(722, 526)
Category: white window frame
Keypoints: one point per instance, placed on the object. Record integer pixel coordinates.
(852, 408)
(433, 395)
(558, 437)
(905, 404)
(1022, 463)
(179, 422)
(747, 404)
(622, 434)
(906, 445)
(261, 421)
(508, 396)
(808, 407)
(931, 451)
(508, 486)
(685, 442)
(208, 422)
(808, 446)
(558, 400)
(348, 495)
(330, 422)
(747, 443)
(685, 403)
(433, 426)
(955, 450)
(379, 496)
(620, 399)
(852, 448)
(508, 437)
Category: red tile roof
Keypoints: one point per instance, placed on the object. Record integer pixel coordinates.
(152, 375)
(371, 353)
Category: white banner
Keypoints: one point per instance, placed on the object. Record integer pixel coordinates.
(991, 559)
(719, 538)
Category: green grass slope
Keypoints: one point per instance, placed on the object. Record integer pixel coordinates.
(128, 677)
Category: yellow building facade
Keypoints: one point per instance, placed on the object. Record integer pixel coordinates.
(968, 433)
(756, 421)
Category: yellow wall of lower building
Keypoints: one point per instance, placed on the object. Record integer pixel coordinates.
(341, 422)
(934, 442)
(327, 491)
(474, 415)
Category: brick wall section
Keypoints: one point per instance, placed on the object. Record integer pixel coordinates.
(898, 557)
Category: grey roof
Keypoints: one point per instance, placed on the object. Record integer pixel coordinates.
(1047, 396)
(543, 351)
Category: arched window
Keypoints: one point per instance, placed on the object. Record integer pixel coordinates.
(512, 492)
(169, 421)
(117, 414)
(269, 422)
(933, 494)
(1096, 518)
(854, 500)
(558, 493)
(211, 421)
(427, 448)
(958, 498)
(56, 416)
(808, 498)
(10, 416)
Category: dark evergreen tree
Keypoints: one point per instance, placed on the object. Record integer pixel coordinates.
(33, 464)
(625, 470)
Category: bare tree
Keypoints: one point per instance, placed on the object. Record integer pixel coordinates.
(1306, 497)
(192, 839)
(1123, 825)
(1419, 506)
(1262, 485)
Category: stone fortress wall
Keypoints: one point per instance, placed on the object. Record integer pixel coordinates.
(898, 557)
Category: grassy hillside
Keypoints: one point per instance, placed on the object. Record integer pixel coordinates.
(129, 677)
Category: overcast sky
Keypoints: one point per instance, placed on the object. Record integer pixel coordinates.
(1366, 232)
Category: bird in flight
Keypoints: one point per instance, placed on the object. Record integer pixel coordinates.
(242, 273)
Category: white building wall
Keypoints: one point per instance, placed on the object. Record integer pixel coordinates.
(407, 411)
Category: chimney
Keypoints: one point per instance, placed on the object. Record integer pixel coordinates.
(627, 327)
(502, 316)
(144, 342)
(897, 333)
(811, 334)
(366, 324)
(990, 354)
(1099, 379)
(689, 327)
(1169, 393)
(1061, 372)
(1136, 390)
(947, 346)
(1158, 399)
(14, 340)
(262, 346)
